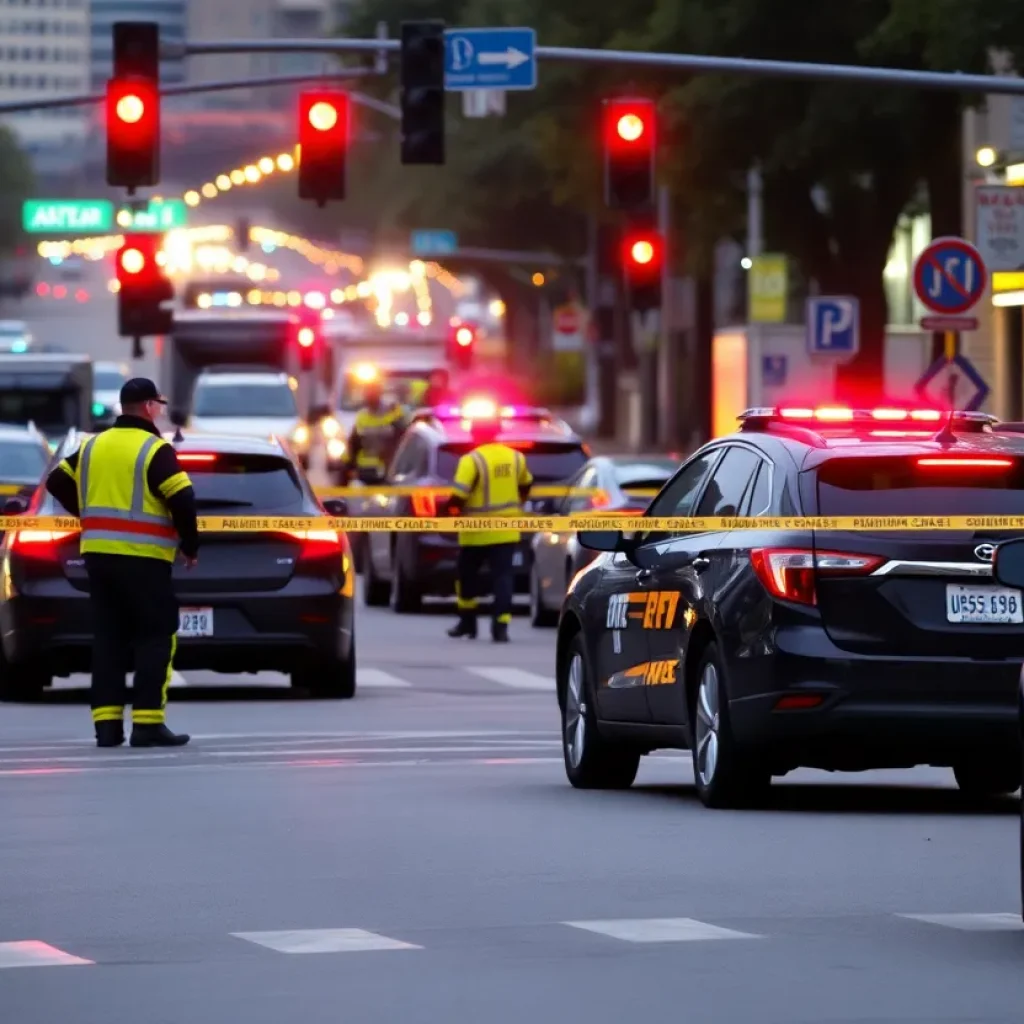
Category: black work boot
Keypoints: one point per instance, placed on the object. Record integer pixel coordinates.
(499, 632)
(157, 736)
(109, 734)
(465, 628)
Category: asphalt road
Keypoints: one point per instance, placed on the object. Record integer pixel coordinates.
(416, 855)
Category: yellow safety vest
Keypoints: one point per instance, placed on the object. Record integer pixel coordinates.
(376, 432)
(490, 477)
(120, 515)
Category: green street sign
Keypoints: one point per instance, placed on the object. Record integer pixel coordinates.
(67, 216)
(160, 215)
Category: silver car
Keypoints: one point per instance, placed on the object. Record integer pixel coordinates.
(626, 484)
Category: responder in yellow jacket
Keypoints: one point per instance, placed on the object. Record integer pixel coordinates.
(136, 506)
(491, 481)
(375, 436)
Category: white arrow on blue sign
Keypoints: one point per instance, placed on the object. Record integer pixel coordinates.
(504, 59)
(833, 326)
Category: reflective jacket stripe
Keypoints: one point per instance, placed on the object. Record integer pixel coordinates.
(94, 522)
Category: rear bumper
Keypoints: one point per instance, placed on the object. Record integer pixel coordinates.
(873, 712)
(254, 634)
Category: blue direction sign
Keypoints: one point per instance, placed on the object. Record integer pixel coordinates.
(773, 371)
(950, 276)
(953, 383)
(833, 326)
(433, 243)
(490, 58)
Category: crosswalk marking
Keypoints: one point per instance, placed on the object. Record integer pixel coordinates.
(971, 922)
(377, 679)
(659, 929)
(324, 940)
(34, 953)
(515, 678)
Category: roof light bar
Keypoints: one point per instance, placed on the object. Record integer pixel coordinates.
(847, 414)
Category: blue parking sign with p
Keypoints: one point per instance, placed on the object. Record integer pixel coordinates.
(833, 326)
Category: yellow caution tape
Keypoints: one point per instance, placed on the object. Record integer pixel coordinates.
(562, 524)
(537, 491)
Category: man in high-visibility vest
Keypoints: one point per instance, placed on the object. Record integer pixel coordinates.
(490, 481)
(137, 507)
(375, 435)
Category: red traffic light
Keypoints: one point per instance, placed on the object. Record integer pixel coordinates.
(132, 261)
(133, 132)
(324, 118)
(464, 336)
(643, 251)
(630, 124)
(306, 337)
(137, 261)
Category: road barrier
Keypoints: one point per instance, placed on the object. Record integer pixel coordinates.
(562, 524)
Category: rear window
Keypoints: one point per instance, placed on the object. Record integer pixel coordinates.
(53, 412)
(548, 461)
(240, 484)
(908, 486)
(245, 400)
(22, 461)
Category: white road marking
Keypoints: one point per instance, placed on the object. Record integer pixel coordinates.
(34, 953)
(324, 940)
(357, 751)
(377, 679)
(177, 679)
(971, 922)
(664, 929)
(515, 678)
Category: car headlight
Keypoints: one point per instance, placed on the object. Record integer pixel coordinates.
(331, 427)
(335, 448)
(300, 435)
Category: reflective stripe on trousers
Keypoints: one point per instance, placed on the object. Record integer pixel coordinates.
(115, 524)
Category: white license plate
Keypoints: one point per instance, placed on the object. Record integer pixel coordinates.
(517, 560)
(195, 622)
(983, 604)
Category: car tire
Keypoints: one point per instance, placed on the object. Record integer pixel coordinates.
(23, 683)
(376, 592)
(541, 617)
(988, 775)
(724, 775)
(328, 678)
(592, 761)
(406, 596)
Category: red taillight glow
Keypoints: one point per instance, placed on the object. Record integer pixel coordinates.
(964, 463)
(38, 543)
(318, 543)
(790, 574)
(194, 457)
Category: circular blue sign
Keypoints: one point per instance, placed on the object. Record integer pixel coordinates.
(950, 276)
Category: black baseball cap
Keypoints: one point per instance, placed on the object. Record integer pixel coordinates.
(139, 390)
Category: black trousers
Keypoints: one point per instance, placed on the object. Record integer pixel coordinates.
(498, 557)
(135, 621)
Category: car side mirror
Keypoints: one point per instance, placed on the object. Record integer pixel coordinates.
(602, 540)
(1008, 563)
(14, 506)
(177, 417)
(337, 507)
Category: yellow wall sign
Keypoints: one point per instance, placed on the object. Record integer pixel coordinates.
(767, 289)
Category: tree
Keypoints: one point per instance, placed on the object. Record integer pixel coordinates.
(16, 184)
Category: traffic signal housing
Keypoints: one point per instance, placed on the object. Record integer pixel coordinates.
(630, 141)
(142, 288)
(422, 92)
(462, 345)
(133, 107)
(324, 121)
(308, 341)
(643, 263)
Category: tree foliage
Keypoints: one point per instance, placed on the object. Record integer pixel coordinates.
(16, 184)
(841, 161)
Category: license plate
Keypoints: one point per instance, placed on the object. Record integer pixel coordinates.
(195, 622)
(517, 560)
(992, 605)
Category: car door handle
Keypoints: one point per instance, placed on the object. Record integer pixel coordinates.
(643, 576)
(700, 563)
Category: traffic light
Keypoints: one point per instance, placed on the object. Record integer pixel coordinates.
(143, 286)
(323, 144)
(461, 346)
(307, 340)
(133, 107)
(643, 261)
(629, 149)
(422, 88)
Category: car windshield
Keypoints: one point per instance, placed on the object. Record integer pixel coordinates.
(259, 401)
(921, 485)
(402, 386)
(22, 461)
(107, 380)
(261, 483)
(548, 461)
(53, 412)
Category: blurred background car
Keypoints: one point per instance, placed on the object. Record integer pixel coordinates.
(624, 484)
(107, 380)
(15, 336)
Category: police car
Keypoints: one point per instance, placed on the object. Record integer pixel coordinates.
(763, 651)
(404, 568)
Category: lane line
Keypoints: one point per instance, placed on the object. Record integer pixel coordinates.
(514, 678)
(971, 922)
(35, 953)
(324, 940)
(664, 929)
(378, 679)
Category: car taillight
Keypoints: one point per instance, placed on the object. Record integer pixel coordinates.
(424, 506)
(943, 462)
(790, 574)
(38, 543)
(318, 543)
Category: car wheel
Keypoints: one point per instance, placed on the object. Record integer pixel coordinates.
(328, 678)
(591, 760)
(406, 596)
(540, 615)
(724, 775)
(23, 682)
(358, 545)
(376, 592)
(988, 775)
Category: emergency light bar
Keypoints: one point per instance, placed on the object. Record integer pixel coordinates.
(826, 415)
